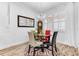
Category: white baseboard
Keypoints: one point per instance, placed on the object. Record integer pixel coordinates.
(15, 44)
(66, 43)
(22, 42)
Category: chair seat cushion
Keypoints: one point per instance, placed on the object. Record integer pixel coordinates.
(34, 44)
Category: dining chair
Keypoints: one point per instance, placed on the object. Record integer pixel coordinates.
(47, 36)
(33, 44)
(52, 43)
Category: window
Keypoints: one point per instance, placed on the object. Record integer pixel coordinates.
(59, 24)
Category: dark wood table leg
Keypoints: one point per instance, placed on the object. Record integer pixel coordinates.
(42, 48)
(29, 49)
(34, 52)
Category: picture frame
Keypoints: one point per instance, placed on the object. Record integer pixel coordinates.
(25, 21)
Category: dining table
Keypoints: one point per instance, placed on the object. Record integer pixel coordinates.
(40, 37)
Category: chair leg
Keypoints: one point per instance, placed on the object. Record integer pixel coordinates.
(52, 51)
(42, 48)
(34, 52)
(55, 48)
(29, 49)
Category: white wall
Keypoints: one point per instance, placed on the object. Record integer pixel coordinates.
(66, 37)
(10, 34)
(3, 15)
(76, 14)
(3, 23)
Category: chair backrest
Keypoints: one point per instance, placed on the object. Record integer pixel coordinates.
(47, 38)
(31, 36)
(54, 37)
(47, 32)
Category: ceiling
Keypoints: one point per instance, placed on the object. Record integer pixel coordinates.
(43, 6)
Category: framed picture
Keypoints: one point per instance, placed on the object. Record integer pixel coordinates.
(25, 21)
